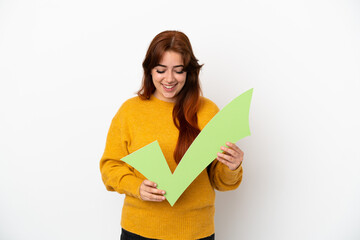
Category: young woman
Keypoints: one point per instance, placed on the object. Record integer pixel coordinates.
(168, 109)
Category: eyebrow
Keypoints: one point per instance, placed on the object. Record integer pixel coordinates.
(166, 66)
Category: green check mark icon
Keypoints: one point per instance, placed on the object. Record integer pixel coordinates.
(229, 125)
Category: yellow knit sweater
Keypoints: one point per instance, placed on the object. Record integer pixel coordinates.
(136, 124)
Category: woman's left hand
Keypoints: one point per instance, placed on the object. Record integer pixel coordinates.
(232, 156)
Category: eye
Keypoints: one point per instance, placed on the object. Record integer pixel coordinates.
(158, 71)
(179, 70)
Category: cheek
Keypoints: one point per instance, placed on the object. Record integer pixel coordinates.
(182, 78)
(155, 77)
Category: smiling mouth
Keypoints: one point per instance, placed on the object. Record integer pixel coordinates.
(169, 87)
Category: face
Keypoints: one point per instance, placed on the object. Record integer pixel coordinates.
(168, 76)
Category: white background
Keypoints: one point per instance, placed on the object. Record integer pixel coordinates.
(67, 66)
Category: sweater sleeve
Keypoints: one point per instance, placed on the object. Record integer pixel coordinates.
(116, 174)
(222, 178)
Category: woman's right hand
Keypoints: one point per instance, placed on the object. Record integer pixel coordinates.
(149, 192)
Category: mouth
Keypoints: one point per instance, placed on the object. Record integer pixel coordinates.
(169, 88)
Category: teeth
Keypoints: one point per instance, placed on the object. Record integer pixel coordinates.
(168, 87)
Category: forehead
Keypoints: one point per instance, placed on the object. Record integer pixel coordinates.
(171, 58)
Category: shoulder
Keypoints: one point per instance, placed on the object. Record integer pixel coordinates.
(131, 102)
(132, 105)
(129, 107)
(208, 106)
(208, 109)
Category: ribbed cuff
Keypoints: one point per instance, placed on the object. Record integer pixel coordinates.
(131, 186)
(231, 176)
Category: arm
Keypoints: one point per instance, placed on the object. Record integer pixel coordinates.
(225, 172)
(119, 176)
(116, 174)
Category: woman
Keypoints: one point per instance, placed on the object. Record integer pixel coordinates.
(168, 109)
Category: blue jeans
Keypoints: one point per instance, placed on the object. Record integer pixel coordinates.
(125, 235)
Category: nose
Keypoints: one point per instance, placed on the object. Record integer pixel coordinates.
(169, 77)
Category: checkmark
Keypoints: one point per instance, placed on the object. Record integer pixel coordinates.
(229, 125)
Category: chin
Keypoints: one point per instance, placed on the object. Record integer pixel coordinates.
(169, 96)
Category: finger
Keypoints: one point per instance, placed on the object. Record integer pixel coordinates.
(150, 193)
(155, 191)
(150, 187)
(230, 165)
(229, 161)
(146, 196)
(229, 151)
(223, 161)
(225, 157)
(234, 147)
(149, 183)
(153, 197)
(157, 198)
